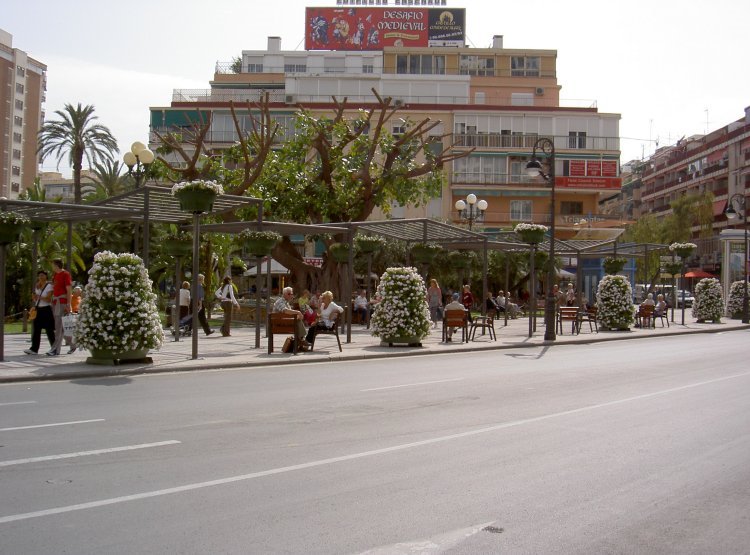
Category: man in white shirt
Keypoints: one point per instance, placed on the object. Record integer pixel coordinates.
(362, 306)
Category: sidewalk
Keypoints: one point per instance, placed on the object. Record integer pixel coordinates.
(239, 351)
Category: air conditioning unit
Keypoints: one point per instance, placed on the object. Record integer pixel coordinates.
(290, 99)
(398, 102)
(539, 91)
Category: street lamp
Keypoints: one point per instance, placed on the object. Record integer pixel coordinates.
(138, 159)
(732, 214)
(471, 209)
(534, 169)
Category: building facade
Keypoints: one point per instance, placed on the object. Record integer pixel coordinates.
(23, 82)
(719, 163)
(495, 102)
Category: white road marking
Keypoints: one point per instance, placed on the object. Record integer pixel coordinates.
(87, 453)
(353, 456)
(410, 385)
(50, 425)
(18, 403)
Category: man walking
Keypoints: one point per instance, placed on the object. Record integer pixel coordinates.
(62, 292)
(202, 305)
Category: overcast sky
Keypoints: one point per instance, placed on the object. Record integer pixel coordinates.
(670, 68)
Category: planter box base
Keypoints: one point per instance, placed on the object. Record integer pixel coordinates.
(400, 342)
(109, 358)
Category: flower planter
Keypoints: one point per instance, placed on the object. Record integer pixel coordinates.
(9, 232)
(409, 341)
(684, 252)
(196, 200)
(368, 246)
(424, 254)
(108, 356)
(178, 247)
(259, 246)
(613, 265)
(531, 236)
(339, 252)
(673, 268)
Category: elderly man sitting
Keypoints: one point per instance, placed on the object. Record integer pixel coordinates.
(503, 304)
(455, 304)
(283, 304)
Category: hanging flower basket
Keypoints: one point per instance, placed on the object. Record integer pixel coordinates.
(402, 316)
(532, 234)
(683, 250)
(708, 304)
(424, 253)
(197, 196)
(178, 245)
(673, 268)
(368, 244)
(11, 226)
(460, 260)
(118, 318)
(259, 243)
(613, 265)
(339, 252)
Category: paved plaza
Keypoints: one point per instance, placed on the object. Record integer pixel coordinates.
(238, 351)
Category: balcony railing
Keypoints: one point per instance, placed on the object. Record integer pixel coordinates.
(526, 141)
(492, 178)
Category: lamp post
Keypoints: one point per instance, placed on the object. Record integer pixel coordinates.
(138, 160)
(732, 214)
(471, 210)
(533, 169)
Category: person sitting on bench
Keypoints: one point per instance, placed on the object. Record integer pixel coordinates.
(282, 304)
(327, 314)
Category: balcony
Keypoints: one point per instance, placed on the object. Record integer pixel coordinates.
(492, 178)
(526, 141)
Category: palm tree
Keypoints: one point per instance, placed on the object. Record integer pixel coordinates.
(76, 135)
(108, 180)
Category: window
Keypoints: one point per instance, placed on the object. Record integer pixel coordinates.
(577, 139)
(476, 65)
(520, 210)
(420, 64)
(19, 88)
(255, 68)
(17, 137)
(16, 154)
(20, 71)
(398, 129)
(571, 208)
(334, 65)
(18, 120)
(524, 66)
(368, 65)
(19, 104)
(15, 187)
(295, 68)
(16, 170)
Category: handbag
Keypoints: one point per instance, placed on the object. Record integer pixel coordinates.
(32, 310)
(69, 322)
(32, 313)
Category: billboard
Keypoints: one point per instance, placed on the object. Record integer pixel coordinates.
(376, 28)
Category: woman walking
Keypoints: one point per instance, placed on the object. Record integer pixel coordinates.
(228, 301)
(44, 320)
(434, 301)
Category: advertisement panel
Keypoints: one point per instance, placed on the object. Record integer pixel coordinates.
(376, 28)
(614, 183)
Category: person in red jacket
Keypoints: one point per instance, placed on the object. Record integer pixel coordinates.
(467, 299)
(62, 292)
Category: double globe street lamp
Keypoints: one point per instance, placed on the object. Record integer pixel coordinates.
(534, 169)
(138, 160)
(732, 214)
(471, 210)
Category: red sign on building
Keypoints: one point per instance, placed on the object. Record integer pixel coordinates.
(374, 28)
(577, 168)
(609, 168)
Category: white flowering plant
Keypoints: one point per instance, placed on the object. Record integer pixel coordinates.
(530, 227)
(708, 304)
(199, 185)
(118, 311)
(403, 310)
(614, 299)
(734, 303)
(253, 235)
(531, 233)
(683, 249)
(10, 217)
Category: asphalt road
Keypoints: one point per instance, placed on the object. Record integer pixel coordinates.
(619, 447)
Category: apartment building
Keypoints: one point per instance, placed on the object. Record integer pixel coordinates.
(496, 102)
(718, 162)
(23, 82)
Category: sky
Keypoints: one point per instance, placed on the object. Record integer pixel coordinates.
(669, 68)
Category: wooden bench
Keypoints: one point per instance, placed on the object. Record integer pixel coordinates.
(279, 322)
(568, 314)
(645, 316)
(589, 316)
(456, 319)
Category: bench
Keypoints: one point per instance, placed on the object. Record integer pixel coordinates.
(486, 323)
(281, 323)
(645, 316)
(456, 319)
(568, 314)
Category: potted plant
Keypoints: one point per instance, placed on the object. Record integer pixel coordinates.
(424, 253)
(118, 318)
(673, 268)
(734, 303)
(259, 243)
(708, 304)
(11, 225)
(612, 265)
(531, 233)
(683, 250)
(368, 244)
(614, 300)
(178, 244)
(197, 196)
(339, 252)
(402, 315)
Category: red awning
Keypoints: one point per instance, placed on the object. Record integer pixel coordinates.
(719, 206)
(698, 274)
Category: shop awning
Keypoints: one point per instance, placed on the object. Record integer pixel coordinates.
(719, 206)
